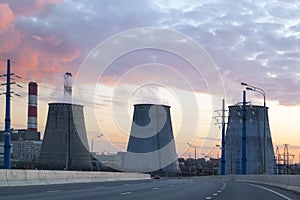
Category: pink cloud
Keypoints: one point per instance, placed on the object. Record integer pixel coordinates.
(9, 40)
(30, 6)
(6, 16)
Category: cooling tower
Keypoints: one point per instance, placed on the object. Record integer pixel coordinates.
(32, 106)
(255, 141)
(65, 143)
(151, 145)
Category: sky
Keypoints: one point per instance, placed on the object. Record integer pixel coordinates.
(252, 41)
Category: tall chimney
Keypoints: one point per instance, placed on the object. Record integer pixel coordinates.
(32, 106)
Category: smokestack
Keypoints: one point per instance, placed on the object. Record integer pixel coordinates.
(68, 84)
(32, 106)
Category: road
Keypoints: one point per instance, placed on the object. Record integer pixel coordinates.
(185, 188)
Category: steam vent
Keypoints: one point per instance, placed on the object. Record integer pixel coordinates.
(151, 146)
(255, 141)
(65, 145)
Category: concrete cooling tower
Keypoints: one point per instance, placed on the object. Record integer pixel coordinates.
(254, 142)
(151, 146)
(65, 143)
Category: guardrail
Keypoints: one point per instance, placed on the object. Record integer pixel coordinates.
(47, 177)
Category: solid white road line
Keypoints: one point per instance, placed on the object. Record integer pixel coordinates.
(274, 192)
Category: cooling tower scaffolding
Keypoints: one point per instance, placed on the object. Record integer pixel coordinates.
(151, 145)
(65, 143)
(255, 141)
(32, 106)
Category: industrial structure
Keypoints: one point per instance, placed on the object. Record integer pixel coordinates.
(32, 106)
(65, 145)
(26, 143)
(151, 146)
(255, 144)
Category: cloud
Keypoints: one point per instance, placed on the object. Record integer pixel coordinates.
(6, 16)
(28, 7)
(256, 42)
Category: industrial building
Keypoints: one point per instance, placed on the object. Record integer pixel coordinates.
(25, 143)
(65, 145)
(26, 150)
(254, 141)
(151, 146)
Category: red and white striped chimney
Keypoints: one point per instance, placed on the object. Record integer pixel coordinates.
(32, 106)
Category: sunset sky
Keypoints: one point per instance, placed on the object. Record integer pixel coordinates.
(252, 41)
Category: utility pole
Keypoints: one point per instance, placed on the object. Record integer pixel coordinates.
(195, 152)
(277, 159)
(223, 156)
(244, 136)
(223, 147)
(7, 145)
(286, 158)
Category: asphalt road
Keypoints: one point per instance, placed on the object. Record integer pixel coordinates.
(188, 189)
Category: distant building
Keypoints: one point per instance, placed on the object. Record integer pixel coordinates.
(25, 148)
(28, 151)
(111, 162)
(22, 134)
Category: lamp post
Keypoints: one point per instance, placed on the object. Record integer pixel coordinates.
(195, 157)
(92, 145)
(262, 92)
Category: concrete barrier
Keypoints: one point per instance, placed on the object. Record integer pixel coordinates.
(58, 177)
(47, 177)
(16, 177)
(35, 177)
(3, 180)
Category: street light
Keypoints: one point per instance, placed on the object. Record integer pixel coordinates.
(262, 92)
(92, 145)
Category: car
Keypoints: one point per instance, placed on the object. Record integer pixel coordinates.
(156, 177)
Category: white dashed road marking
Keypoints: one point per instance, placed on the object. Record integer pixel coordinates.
(52, 191)
(126, 193)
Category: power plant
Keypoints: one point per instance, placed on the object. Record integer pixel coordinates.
(151, 146)
(65, 145)
(255, 143)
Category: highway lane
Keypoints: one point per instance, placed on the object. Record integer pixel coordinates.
(185, 188)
